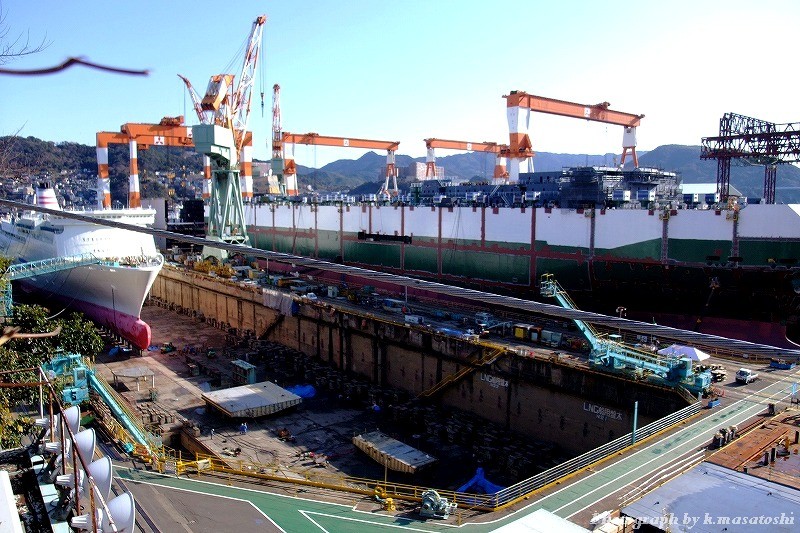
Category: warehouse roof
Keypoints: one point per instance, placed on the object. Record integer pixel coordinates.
(711, 497)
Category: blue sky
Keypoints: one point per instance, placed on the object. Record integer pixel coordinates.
(405, 70)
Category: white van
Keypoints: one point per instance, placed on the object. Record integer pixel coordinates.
(414, 319)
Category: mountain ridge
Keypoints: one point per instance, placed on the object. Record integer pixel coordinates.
(30, 156)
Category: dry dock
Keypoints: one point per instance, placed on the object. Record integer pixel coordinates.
(468, 404)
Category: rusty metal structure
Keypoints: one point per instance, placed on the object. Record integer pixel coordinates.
(752, 141)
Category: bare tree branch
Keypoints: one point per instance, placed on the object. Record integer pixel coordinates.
(68, 63)
(10, 50)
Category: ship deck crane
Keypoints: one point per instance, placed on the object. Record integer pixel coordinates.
(520, 102)
(613, 355)
(222, 136)
(171, 131)
(500, 151)
(315, 139)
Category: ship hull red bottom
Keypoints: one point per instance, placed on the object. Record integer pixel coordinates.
(131, 328)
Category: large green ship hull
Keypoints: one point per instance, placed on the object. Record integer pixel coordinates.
(697, 264)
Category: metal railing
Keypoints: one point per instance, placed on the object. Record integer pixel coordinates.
(480, 502)
(47, 266)
(519, 490)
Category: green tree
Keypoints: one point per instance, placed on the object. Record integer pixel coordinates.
(78, 335)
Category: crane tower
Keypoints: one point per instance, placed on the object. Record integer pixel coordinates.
(222, 136)
(276, 164)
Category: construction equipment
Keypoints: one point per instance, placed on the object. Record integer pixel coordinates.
(167, 347)
(520, 148)
(276, 164)
(610, 354)
(315, 139)
(500, 151)
(170, 131)
(222, 136)
(435, 506)
(758, 142)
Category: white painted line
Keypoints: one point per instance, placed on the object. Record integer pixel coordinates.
(203, 493)
(305, 514)
(231, 487)
(702, 436)
(381, 524)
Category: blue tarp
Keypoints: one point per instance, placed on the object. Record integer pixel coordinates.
(479, 484)
(304, 391)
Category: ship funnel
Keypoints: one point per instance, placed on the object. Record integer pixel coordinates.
(46, 196)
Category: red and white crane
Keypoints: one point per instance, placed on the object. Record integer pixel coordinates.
(229, 107)
(171, 131)
(520, 104)
(500, 151)
(315, 139)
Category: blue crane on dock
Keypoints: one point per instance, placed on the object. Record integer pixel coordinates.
(609, 353)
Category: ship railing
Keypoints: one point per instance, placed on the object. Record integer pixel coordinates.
(47, 266)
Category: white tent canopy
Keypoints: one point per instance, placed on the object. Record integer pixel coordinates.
(677, 350)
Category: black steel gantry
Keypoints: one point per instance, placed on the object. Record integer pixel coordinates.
(755, 141)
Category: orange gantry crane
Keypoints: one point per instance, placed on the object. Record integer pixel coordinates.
(315, 139)
(171, 131)
(519, 102)
(500, 151)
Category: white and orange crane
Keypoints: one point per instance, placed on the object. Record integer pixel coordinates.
(171, 131)
(520, 104)
(222, 136)
(315, 139)
(500, 150)
(276, 164)
(229, 107)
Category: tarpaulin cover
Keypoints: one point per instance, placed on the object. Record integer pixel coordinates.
(479, 484)
(278, 300)
(678, 350)
(304, 391)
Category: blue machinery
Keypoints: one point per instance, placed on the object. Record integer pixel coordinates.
(614, 356)
(83, 378)
(80, 377)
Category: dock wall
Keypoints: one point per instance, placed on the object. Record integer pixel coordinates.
(539, 394)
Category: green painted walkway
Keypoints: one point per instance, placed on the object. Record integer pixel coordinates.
(294, 514)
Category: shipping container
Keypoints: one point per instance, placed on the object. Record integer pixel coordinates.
(551, 338)
(524, 331)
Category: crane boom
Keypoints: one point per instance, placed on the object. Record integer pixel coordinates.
(346, 142)
(198, 108)
(315, 139)
(243, 95)
(463, 145)
(596, 112)
(520, 147)
(500, 151)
